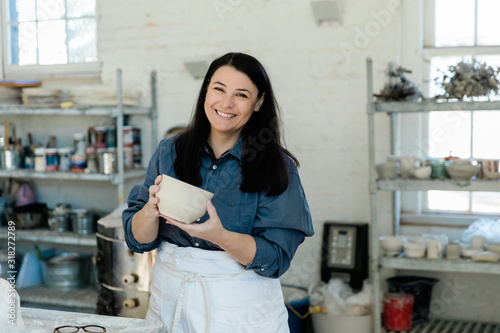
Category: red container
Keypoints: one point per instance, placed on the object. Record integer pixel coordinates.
(398, 308)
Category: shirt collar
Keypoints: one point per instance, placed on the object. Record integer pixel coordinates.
(235, 151)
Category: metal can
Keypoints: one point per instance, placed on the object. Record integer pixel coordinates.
(107, 160)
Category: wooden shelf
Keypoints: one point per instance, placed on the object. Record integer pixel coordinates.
(403, 184)
(430, 106)
(20, 110)
(442, 265)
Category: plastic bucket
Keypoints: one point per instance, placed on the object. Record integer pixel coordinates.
(328, 323)
(398, 310)
(420, 288)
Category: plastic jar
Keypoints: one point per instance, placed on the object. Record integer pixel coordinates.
(137, 161)
(79, 144)
(398, 310)
(100, 137)
(40, 159)
(128, 136)
(51, 160)
(91, 159)
(128, 158)
(64, 159)
(111, 137)
(78, 163)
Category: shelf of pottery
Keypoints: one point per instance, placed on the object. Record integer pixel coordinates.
(427, 252)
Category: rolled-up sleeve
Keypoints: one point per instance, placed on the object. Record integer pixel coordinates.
(137, 198)
(281, 225)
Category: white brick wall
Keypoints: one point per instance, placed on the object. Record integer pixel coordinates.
(320, 85)
(322, 92)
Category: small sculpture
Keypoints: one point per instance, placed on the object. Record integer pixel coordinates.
(399, 87)
(469, 79)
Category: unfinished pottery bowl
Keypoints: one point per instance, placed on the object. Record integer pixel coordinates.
(182, 201)
(462, 171)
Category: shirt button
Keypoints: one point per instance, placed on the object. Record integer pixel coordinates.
(196, 244)
(262, 269)
(214, 166)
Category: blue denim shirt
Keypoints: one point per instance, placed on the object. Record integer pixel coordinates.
(278, 224)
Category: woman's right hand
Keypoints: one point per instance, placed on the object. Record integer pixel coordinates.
(152, 204)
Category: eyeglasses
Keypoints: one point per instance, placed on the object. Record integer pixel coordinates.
(74, 329)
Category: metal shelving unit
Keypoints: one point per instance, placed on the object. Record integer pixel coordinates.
(82, 298)
(400, 184)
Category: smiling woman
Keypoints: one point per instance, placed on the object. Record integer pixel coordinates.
(226, 263)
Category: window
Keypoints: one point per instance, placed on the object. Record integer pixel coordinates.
(469, 30)
(41, 33)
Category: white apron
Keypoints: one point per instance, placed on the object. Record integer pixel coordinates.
(200, 291)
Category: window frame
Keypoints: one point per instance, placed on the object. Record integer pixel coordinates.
(414, 204)
(11, 72)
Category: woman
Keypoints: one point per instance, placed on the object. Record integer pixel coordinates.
(220, 275)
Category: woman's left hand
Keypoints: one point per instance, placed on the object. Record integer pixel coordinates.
(211, 230)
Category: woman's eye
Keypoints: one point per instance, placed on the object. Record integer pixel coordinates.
(242, 95)
(218, 89)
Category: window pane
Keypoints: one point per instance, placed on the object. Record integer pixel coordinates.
(486, 202)
(81, 8)
(82, 40)
(22, 10)
(448, 200)
(27, 43)
(50, 9)
(487, 20)
(486, 139)
(449, 132)
(454, 23)
(52, 42)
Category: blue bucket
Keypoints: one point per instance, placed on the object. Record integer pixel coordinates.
(296, 311)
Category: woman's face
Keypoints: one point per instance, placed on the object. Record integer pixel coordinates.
(230, 101)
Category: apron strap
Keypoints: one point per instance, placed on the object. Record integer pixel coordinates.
(180, 297)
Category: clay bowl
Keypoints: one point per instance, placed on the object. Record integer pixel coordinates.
(182, 201)
(391, 245)
(462, 171)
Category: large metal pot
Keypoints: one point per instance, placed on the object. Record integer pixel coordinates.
(66, 271)
(83, 221)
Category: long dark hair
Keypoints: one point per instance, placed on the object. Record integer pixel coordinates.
(263, 159)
